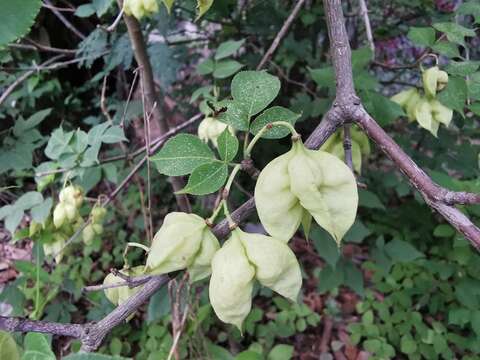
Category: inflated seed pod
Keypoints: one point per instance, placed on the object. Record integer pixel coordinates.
(150, 6)
(88, 234)
(55, 247)
(231, 284)
(70, 210)
(112, 293)
(34, 228)
(134, 8)
(211, 128)
(361, 139)
(59, 215)
(276, 266)
(201, 266)
(441, 113)
(404, 96)
(67, 194)
(177, 243)
(434, 80)
(97, 229)
(325, 187)
(98, 214)
(411, 105)
(423, 114)
(278, 208)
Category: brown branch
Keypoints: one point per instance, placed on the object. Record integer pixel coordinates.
(348, 108)
(283, 31)
(62, 18)
(151, 97)
(24, 77)
(347, 146)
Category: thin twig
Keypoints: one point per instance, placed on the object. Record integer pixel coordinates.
(368, 27)
(62, 18)
(25, 76)
(283, 31)
(347, 146)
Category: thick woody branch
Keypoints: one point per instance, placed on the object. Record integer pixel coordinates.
(348, 107)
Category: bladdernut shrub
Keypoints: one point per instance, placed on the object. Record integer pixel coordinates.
(306, 181)
(210, 129)
(183, 242)
(243, 258)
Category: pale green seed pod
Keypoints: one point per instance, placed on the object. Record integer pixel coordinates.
(150, 6)
(70, 210)
(177, 243)
(441, 113)
(434, 80)
(201, 266)
(210, 129)
(278, 209)
(59, 215)
(404, 96)
(361, 139)
(339, 151)
(97, 229)
(411, 105)
(67, 194)
(276, 266)
(231, 283)
(423, 114)
(112, 293)
(34, 228)
(55, 247)
(98, 214)
(326, 188)
(88, 234)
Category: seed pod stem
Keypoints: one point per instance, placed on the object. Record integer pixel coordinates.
(295, 135)
(133, 244)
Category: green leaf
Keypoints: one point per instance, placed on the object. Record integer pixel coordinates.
(401, 251)
(8, 347)
(85, 10)
(462, 68)
(202, 7)
(369, 200)
(281, 352)
(408, 344)
(235, 115)
(471, 7)
(424, 36)
(228, 48)
(28, 200)
(101, 6)
(206, 179)
(206, 67)
(16, 18)
(227, 146)
(254, 90)
(37, 348)
(59, 143)
(324, 77)
(226, 68)
(455, 94)
(113, 135)
(96, 132)
(446, 48)
(475, 321)
(455, 32)
(353, 277)
(381, 108)
(248, 355)
(41, 211)
(325, 246)
(361, 58)
(182, 154)
(444, 230)
(218, 353)
(275, 113)
(23, 125)
(80, 141)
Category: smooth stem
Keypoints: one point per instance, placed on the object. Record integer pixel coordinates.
(215, 213)
(231, 223)
(264, 129)
(234, 172)
(133, 244)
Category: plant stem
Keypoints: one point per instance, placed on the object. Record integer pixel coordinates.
(265, 129)
(215, 213)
